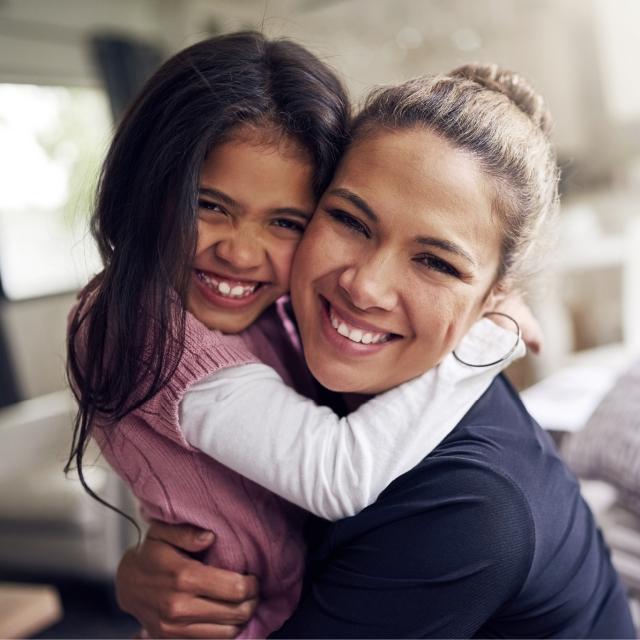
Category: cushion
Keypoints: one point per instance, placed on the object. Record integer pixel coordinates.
(608, 448)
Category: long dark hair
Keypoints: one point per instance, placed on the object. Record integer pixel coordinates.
(126, 335)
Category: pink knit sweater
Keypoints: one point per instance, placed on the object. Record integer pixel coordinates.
(257, 532)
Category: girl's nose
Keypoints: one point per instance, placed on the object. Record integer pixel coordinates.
(369, 286)
(240, 251)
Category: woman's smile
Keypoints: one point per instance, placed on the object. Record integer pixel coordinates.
(350, 335)
(397, 263)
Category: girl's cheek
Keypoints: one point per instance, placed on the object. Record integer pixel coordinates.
(284, 262)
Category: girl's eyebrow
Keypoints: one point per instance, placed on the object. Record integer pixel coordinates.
(230, 202)
(292, 211)
(219, 195)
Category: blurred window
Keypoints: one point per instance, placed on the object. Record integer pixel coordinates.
(52, 141)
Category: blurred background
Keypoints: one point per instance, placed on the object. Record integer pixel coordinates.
(67, 70)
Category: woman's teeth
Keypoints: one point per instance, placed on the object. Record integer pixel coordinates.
(356, 335)
(226, 288)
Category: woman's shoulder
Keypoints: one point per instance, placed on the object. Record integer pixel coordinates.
(487, 473)
(452, 521)
(472, 487)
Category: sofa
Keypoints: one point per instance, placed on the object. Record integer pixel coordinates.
(49, 526)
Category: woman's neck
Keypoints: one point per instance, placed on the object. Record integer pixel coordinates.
(354, 400)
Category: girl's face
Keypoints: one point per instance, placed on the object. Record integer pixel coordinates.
(256, 198)
(399, 261)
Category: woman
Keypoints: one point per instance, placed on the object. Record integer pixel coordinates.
(439, 203)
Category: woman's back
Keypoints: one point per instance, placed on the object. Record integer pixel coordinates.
(487, 537)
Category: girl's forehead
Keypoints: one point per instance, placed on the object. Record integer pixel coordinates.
(270, 138)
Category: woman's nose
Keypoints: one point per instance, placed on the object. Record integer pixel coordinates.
(240, 251)
(369, 286)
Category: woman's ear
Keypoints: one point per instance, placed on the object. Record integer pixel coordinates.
(497, 294)
(512, 303)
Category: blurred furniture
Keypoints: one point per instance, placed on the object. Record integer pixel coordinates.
(49, 526)
(27, 609)
(590, 310)
(597, 427)
(8, 383)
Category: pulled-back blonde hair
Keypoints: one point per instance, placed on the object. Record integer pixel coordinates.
(496, 116)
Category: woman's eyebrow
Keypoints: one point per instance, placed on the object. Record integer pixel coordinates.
(446, 245)
(356, 201)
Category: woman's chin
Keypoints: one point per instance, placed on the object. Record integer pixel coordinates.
(342, 378)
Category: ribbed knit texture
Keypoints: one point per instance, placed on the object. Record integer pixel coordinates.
(256, 532)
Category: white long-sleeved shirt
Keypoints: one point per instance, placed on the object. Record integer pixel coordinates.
(247, 418)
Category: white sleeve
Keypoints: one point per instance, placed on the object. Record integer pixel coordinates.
(248, 419)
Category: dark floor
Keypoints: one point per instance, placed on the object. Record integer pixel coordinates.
(90, 610)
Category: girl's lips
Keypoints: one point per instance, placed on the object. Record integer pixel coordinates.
(216, 298)
(231, 279)
(342, 344)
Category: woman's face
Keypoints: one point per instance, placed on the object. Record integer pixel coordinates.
(399, 260)
(255, 200)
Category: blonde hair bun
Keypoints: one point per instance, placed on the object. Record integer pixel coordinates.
(512, 85)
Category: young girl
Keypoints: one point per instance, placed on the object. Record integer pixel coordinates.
(206, 190)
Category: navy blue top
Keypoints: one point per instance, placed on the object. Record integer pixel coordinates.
(487, 537)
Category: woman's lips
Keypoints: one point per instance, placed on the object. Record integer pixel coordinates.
(355, 333)
(349, 335)
(226, 292)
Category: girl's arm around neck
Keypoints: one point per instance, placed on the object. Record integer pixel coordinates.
(248, 419)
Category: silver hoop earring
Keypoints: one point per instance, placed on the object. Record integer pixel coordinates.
(504, 357)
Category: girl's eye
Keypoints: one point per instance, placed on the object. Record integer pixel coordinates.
(349, 221)
(286, 223)
(438, 264)
(214, 207)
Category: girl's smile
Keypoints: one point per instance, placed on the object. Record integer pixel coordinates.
(226, 291)
(255, 199)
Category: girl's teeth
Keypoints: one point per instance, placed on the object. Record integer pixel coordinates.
(225, 289)
(355, 335)
(367, 338)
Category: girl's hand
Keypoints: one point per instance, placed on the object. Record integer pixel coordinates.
(174, 596)
(514, 305)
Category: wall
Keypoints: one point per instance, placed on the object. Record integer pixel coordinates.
(35, 332)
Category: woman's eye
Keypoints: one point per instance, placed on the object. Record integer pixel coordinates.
(286, 223)
(438, 264)
(214, 207)
(349, 221)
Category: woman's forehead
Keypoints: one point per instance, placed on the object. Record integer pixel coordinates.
(414, 168)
